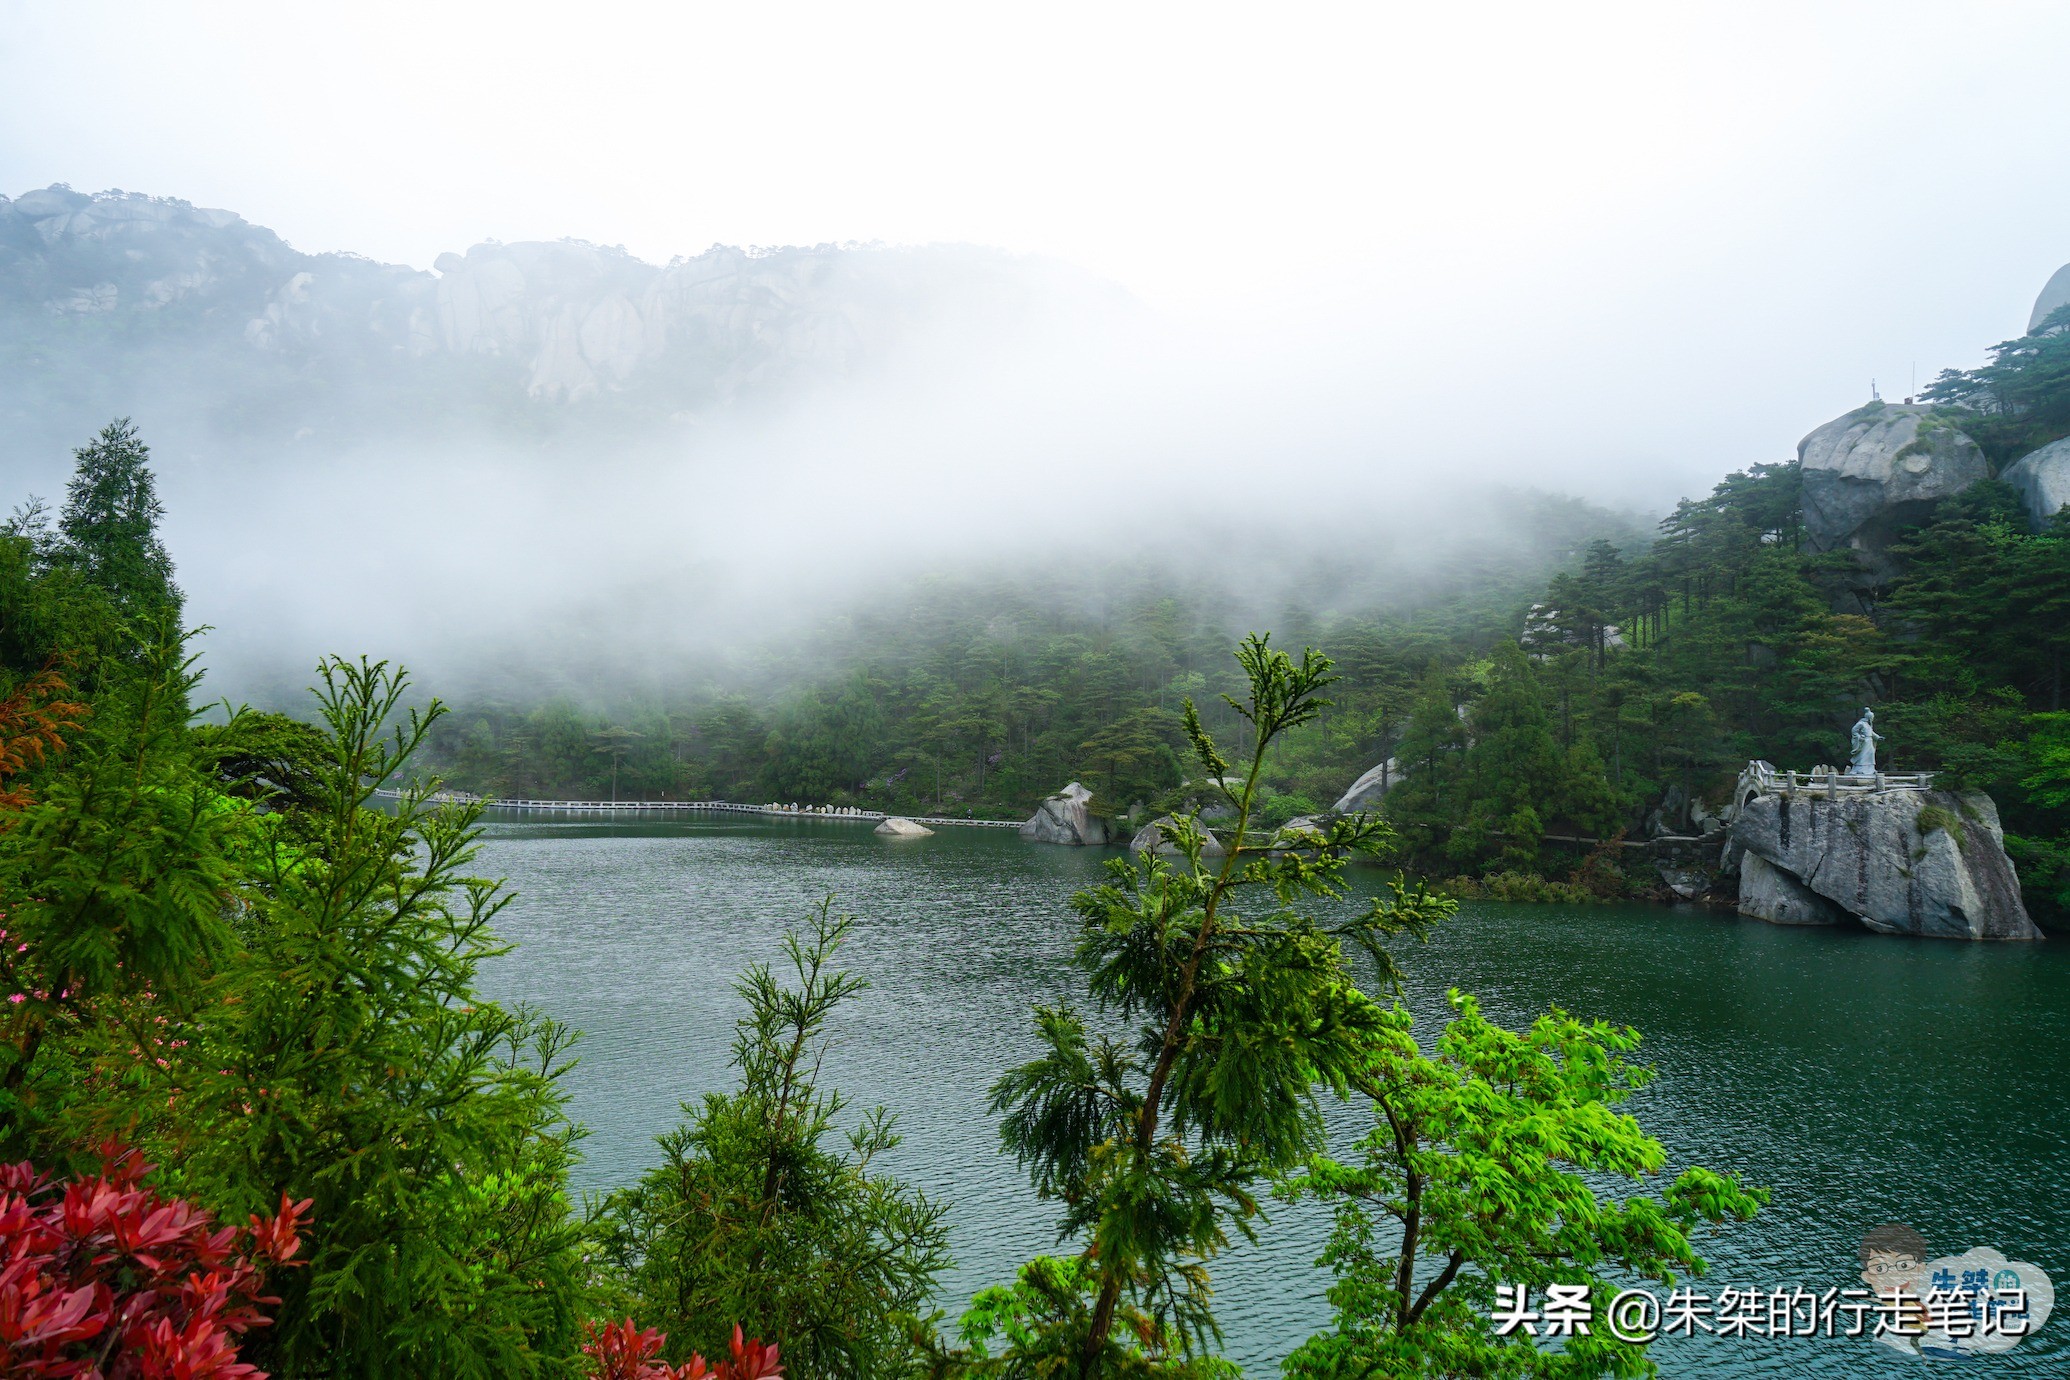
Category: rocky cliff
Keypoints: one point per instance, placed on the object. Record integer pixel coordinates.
(1877, 471)
(578, 320)
(116, 295)
(1929, 863)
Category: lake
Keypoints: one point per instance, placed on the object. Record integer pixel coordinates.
(1862, 1079)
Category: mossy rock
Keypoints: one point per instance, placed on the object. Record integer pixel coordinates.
(1932, 817)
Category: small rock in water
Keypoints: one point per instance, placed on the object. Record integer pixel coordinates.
(1151, 838)
(899, 827)
(1065, 818)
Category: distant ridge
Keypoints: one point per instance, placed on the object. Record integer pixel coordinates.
(112, 299)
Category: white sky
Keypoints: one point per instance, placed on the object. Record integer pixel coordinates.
(1611, 223)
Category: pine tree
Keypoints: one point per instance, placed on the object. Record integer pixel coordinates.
(1431, 750)
(1238, 1011)
(771, 1209)
(1514, 767)
(109, 526)
(344, 1054)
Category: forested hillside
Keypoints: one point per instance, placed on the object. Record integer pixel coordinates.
(218, 954)
(986, 693)
(1589, 690)
(1646, 679)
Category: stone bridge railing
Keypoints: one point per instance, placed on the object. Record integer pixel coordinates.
(1762, 778)
(678, 807)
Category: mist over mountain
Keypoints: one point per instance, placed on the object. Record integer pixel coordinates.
(550, 466)
(218, 329)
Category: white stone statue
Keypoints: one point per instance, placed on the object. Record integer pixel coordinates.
(1865, 739)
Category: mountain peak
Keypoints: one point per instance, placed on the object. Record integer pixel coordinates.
(141, 294)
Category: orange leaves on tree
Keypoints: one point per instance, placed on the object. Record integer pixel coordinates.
(33, 721)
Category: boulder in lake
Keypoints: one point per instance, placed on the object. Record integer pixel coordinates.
(1683, 882)
(1927, 863)
(899, 827)
(1151, 838)
(1766, 892)
(1878, 472)
(1065, 818)
(1300, 832)
(1368, 791)
(2042, 478)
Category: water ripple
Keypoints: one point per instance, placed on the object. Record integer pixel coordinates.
(1862, 1079)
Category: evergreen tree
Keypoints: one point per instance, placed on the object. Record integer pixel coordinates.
(1988, 602)
(117, 881)
(2021, 399)
(344, 1054)
(109, 526)
(1238, 1010)
(1514, 767)
(752, 1219)
(1431, 755)
(1131, 760)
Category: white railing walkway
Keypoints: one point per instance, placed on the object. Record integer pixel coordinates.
(836, 813)
(1763, 778)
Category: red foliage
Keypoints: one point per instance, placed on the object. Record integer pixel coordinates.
(102, 1279)
(32, 720)
(621, 1351)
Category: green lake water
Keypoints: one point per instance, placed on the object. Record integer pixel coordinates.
(1862, 1079)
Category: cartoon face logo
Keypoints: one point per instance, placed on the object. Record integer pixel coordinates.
(1893, 1258)
(1954, 1306)
(1892, 1255)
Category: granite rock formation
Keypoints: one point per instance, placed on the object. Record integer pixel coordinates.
(2055, 294)
(1370, 789)
(1300, 832)
(1769, 893)
(899, 827)
(1312, 827)
(1929, 863)
(2042, 478)
(1065, 818)
(1877, 472)
(1681, 815)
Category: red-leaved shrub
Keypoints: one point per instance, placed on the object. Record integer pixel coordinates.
(620, 1351)
(102, 1279)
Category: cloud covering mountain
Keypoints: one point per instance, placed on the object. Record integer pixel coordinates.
(118, 302)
